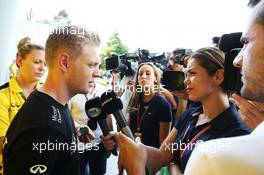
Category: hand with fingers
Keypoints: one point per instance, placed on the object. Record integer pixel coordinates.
(85, 134)
(132, 156)
(251, 112)
(110, 141)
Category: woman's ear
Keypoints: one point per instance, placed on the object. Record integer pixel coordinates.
(19, 60)
(219, 77)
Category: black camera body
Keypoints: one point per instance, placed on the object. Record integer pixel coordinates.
(126, 63)
(112, 62)
(121, 63)
(179, 59)
(231, 45)
(173, 80)
(232, 75)
(181, 53)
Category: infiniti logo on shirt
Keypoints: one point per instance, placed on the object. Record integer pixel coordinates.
(38, 169)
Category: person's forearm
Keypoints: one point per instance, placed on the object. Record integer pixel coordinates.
(154, 157)
(164, 131)
(163, 156)
(136, 171)
(168, 95)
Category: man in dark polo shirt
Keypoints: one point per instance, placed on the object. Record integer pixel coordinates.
(42, 138)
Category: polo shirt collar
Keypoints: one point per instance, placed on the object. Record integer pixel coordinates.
(227, 116)
(14, 86)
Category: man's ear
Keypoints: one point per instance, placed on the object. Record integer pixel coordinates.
(19, 61)
(63, 60)
(219, 77)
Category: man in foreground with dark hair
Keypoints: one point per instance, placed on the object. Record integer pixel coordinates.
(42, 138)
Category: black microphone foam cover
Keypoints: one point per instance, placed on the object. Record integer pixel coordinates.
(111, 102)
(94, 110)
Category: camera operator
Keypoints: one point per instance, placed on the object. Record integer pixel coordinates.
(177, 62)
(215, 41)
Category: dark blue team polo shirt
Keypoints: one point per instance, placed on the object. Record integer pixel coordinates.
(226, 124)
(159, 111)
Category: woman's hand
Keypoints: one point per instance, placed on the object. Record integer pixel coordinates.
(110, 141)
(132, 156)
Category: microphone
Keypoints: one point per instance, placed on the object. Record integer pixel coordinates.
(95, 113)
(111, 104)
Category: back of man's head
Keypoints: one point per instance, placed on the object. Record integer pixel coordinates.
(70, 39)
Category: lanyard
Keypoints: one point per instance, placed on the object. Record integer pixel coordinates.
(140, 118)
(195, 138)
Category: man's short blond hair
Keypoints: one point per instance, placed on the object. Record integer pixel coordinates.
(69, 38)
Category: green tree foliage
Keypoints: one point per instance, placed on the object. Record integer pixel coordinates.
(114, 46)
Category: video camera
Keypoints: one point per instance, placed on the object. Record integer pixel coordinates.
(128, 62)
(180, 53)
(173, 80)
(231, 45)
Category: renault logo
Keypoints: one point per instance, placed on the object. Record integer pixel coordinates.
(38, 169)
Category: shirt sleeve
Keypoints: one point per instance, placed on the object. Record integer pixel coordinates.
(165, 111)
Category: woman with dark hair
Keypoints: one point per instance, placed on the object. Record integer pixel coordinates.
(216, 117)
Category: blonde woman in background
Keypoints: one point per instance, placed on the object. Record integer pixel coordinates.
(31, 67)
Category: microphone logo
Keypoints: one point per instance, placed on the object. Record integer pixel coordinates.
(106, 101)
(94, 112)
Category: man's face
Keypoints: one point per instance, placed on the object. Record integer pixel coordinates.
(252, 56)
(84, 70)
